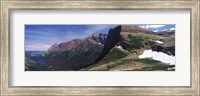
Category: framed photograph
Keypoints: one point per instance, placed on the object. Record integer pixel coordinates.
(112, 47)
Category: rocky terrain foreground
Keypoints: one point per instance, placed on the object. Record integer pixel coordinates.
(118, 50)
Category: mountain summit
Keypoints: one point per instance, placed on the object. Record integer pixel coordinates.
(136, 29)
(98, 37)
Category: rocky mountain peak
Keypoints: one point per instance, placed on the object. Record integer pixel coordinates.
(65, 46)
(98, 37)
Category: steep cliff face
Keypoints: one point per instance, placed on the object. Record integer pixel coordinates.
(112, 39)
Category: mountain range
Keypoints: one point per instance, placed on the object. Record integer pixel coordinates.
(117, 50)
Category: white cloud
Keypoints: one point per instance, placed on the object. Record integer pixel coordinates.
(38, 47)
(168, 29)
(172, 29)
(151, 26)
(143, 26)
(155, 30)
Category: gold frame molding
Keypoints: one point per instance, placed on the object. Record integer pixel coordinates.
(8, 5)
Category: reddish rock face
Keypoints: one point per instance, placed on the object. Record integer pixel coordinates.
(77, 43)
(69, 45)
(99, 38)
(64, 46)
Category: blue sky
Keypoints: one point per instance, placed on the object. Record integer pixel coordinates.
(158, 27)
(41, 37)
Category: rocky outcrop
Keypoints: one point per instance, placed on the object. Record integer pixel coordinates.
(98, 37)
(112, 39)
(167, 47)
(169, 43)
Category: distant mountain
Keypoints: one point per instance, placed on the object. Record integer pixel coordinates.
(166, 33)
(75, 54)
(98, 37)
(66, 46)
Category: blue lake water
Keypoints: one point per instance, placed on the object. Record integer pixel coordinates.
(40, 62)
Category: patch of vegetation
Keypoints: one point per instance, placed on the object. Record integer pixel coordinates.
(158, 67)
(149, 44)
(147, 61)
(147, 36)
(119, 63)
(112, 56)
(144, 61)
(133, 42)
(166, 39)
(149, 65)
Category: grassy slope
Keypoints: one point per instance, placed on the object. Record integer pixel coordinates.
(114, 55)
